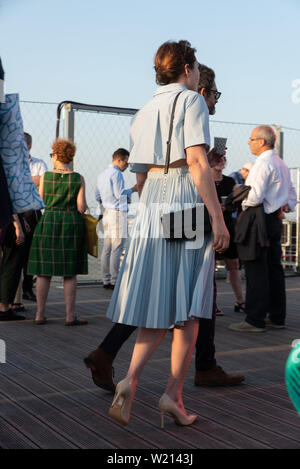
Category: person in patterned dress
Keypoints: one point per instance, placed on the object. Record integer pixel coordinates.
(59, 245)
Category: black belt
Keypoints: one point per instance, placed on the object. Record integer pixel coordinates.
(29, 213)
(274, 214)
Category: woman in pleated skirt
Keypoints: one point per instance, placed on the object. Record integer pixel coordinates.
(161, 283)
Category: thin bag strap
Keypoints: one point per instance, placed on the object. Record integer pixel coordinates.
(170, 135)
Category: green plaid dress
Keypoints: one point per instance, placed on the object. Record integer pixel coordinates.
(59, 245)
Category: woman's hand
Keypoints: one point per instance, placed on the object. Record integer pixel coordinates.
(214, 158)
(221, 236)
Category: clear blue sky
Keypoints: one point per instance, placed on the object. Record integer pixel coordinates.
(101, 52)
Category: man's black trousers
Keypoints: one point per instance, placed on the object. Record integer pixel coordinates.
(265, 284)
(11, 265)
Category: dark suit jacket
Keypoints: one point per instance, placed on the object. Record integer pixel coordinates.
(251, 233)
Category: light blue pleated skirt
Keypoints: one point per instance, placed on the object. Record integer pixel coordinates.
(161, 283)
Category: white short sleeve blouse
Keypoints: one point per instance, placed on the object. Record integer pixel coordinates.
(150, 127)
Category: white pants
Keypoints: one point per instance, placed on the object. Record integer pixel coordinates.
(115, 235)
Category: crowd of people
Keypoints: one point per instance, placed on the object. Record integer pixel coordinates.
(163, 283)
(156, 288)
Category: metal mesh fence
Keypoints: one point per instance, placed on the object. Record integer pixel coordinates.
(291, 147)
(39, 120)
(97, 135)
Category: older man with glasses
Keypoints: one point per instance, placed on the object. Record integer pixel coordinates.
(271, 191)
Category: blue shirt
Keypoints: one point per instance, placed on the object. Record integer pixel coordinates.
(237, 177)
(110, 189)
(149, 129)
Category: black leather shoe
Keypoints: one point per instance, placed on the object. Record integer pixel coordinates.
(217, 377)
(29, 295)
(10, 315)
(100, 364)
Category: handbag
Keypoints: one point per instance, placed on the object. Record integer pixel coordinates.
(183, 225)
(235, 199)
(91, 226)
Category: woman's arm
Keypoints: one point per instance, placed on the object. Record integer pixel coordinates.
(81, 200)
(20, 238)
(202, 177)
(140, 179)
(41, 186)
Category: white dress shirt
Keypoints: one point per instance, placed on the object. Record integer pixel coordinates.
(270, 183)
(150, 127)
(37, 166)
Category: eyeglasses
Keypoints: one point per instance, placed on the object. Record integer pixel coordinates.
(252, 139)
(50, 154)
(216, 93)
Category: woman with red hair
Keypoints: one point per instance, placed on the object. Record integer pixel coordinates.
(59, 245)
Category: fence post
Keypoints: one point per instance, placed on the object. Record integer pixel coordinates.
(70, 126)
(70, 122)
(279, 140)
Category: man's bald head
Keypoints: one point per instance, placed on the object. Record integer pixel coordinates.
(267, 133)
(262, 139)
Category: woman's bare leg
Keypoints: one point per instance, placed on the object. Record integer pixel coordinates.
(232, 265)
(183, 345)
(70, 284)
(146, 343)
(42, 290)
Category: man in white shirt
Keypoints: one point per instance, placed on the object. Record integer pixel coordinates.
(272, 188)
(37, 168)
(114, 197)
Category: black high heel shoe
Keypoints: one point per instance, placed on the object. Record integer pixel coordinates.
(239, 307)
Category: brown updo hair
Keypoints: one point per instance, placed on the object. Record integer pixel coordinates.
(64, 150)
(170, 60)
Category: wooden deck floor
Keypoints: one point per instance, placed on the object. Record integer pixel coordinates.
(47, 398)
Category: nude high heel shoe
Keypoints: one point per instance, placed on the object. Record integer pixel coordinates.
(121, 405)
(167, 405)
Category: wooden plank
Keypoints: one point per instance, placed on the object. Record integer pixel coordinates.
(32, 427)
(78, 434)
(47, 398)
(149, 413)
(11, 438)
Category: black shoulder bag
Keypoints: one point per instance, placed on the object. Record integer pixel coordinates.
(183, 225)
